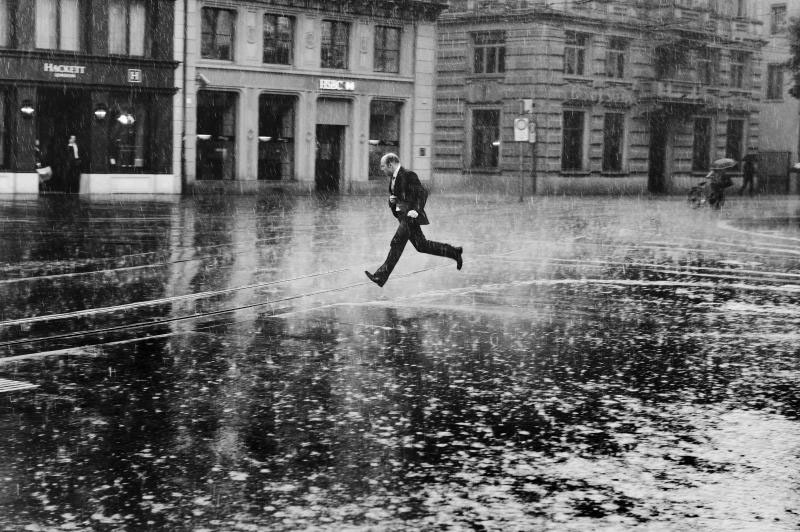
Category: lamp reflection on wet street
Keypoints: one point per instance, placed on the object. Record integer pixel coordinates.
(222, 364)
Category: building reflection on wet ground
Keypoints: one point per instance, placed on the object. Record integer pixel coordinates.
(222, 363)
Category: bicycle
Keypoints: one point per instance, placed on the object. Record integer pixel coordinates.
(712, 190)
(703, 193)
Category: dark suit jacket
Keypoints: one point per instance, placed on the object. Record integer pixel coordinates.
(410, 196)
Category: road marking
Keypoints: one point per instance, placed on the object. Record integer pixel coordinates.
(15, 386)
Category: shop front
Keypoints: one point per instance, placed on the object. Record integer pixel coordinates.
(119, 111)
(308, 132)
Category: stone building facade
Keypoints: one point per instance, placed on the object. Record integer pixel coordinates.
(100, 70)
(626, 96)
(303, 94)
(779, 111)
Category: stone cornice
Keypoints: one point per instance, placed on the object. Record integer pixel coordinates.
(391, 9)
(515, 17)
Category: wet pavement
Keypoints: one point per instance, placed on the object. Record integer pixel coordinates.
(223, 364)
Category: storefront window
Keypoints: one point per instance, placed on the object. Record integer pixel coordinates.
(701, 150)
(58, 24)
(384, 133)
(613, 135)
(216, 135)
(733, 140)
(276, 137)
(128, 131)
(485, 138)
(126, 27)
(572, 141)
(217, 33)
(5, 137)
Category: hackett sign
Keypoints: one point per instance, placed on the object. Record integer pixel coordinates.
(64, 71)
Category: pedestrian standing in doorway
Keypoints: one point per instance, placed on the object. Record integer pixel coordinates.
(73, 166)
(407, 199)
(748, 173)
(43, 169)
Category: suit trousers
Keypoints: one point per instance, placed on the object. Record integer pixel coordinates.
(407, 230)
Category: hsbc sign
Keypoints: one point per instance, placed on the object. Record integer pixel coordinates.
(337, 85)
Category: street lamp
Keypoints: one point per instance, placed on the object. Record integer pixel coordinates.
(100, 111)
(126, 119)
(27, 109)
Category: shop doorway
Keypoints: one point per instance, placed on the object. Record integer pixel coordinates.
(329, 160)
(657, 158)
(61, 113)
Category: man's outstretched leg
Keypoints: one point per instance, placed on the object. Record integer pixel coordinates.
(440, 249)
(396, 247)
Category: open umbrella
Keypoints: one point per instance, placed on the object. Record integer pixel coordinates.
(723, 164)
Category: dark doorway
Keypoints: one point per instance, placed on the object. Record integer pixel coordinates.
(61, 113)
(657, 159)
(329, 157)
(216, 135)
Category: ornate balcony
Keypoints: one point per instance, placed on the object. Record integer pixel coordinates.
(676, 92)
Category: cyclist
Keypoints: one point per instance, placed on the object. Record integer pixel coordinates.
(719, 181)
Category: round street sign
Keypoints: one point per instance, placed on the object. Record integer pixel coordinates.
(521, 132)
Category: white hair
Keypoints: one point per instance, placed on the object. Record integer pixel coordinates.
(390, 158)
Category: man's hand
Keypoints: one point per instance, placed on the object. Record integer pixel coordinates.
(392, 199)
(413, 214)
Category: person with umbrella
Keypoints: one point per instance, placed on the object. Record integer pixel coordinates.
(719, 181)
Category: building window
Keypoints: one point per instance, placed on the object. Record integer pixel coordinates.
(128, 124)
(485, 138)
(774, 82)
(733, 140)
(575, 53)
(6, 23)
(738, 68)
(278, 39)
(489, 52)
(613, 141)
(335, 44)
(5, 137)
(615, 58)
(572, 141)
(58, 24)
(708, 66)
(127, 21)
(384, 133)
(387, 49)
(216, 135)
(777, 20)
(276, 123)
(701, 147)
(217, 33)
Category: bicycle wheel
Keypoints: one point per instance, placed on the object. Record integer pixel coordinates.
(695, 197)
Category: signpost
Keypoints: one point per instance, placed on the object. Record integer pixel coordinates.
(525, 131)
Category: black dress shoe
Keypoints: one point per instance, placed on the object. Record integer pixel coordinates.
(375, 279)
(459, 260)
